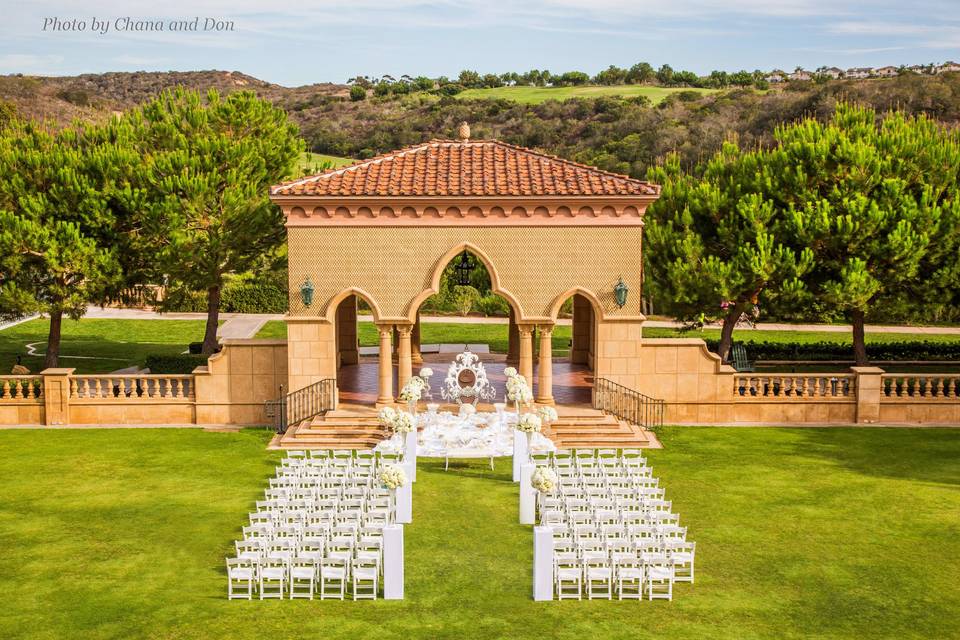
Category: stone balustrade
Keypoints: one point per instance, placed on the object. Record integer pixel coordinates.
(894, 385)
(133, 387)
(811, 385)
(20, 388)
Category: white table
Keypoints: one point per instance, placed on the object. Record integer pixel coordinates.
(472, 436)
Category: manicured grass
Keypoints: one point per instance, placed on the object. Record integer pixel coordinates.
(536, 95)
(114, 344)
(827, 533)
(309, 162)
(802, 337)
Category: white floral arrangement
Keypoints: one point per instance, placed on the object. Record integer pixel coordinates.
(426, 372)
(509, 372)
(529, 423)
(547, 414)
(387, 416)
(544, 479)
(518, 390)
(403, 422)
(392, 476)
(413, 389)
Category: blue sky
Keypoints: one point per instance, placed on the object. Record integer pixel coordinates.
(330, 41)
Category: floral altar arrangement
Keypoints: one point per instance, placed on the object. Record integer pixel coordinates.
(396, 420)
(529, 423)
(544, 479)
(413, 389)
(386, 417)
(547, 414)
(392, 476)
(467, 409)
(518, 391)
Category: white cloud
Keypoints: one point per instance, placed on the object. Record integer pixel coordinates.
(29, 63)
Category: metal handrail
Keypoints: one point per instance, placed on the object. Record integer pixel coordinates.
(302, 404)
(628, 404)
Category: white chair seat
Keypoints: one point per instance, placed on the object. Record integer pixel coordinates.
(630, 573)
(659, 573)
(568, 574)
(241, 574)
(272, 573)
(365, 574)
(682, 557)
(333, 573)
(302, 573)
(598, 573)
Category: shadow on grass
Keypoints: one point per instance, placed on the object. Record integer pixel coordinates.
(926, 455)
(502, 472)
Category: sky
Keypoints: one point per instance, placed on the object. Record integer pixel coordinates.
(296, 43)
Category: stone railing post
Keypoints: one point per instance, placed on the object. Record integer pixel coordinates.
(867, 387)
(56, 396)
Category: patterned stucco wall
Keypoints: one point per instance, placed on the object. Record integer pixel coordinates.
(395, 265)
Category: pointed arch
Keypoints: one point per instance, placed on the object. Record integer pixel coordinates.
(586, 293)
(442, 263)
(334, 303)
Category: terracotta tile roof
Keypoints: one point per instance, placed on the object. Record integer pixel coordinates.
(466, 168)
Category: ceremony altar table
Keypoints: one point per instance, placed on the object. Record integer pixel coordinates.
(466, 435)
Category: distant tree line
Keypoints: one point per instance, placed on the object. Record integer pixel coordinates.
(640, 73)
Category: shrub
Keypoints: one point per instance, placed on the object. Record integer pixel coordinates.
(464, 298)
(180, 363)
(904, 350)
(357, 93)
(254, 297)
(493, 305)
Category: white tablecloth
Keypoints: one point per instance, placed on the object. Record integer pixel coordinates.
(480, 435)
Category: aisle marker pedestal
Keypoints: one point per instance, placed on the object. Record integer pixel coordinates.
(542, 563)
(528, 496)
(393, 562)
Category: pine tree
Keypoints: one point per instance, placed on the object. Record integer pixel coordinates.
(57, 250)
(876, 200)
(713, 241)
(201, 193)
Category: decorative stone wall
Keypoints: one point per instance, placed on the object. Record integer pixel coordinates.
(395, 268)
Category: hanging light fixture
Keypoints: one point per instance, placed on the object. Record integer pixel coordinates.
(620, 292)
(464, 269)
(306, 292)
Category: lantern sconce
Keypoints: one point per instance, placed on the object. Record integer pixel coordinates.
(464, 269)
(306, 292)
(620, 291)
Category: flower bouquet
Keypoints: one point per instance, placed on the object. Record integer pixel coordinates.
(544, 480)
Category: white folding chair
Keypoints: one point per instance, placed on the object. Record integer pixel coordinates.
(366, 575)
(333, 578)
(240, 575)
(303, 576)
(273, 578)
(569, 580)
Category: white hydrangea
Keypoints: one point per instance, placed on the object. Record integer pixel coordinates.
(544, 479)
(547, 414)
(518, 390)
(509, 372)
(529, 423)
(387, 416)
(403, 422)
(392, 476)
(426, 372)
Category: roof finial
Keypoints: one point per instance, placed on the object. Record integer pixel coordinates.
(464, 131)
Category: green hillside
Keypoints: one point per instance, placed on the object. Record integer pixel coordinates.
(536, 95)
(316, 162)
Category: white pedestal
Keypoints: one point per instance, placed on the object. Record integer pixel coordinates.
(393, 562)
(405, 503)
(542, 563)
(519, 453)
(410, 454)
(528, 497)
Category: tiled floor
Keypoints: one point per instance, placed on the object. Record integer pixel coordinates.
(571, 382)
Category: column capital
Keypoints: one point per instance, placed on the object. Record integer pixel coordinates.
(546, 328)
(404, 330)
(526, 329)
(385, 329)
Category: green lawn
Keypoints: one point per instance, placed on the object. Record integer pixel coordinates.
(536, 95)
(826, 533)
(309, 162)
(802, 337)
(106, 345)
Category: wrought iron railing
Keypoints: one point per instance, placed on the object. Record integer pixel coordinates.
(302, 404)
(627, 404)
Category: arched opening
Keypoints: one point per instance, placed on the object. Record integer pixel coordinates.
(575, 347)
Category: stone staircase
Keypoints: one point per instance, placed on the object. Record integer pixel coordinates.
(347, 427)
(356, 427)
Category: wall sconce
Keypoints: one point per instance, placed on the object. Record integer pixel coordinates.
(620, 291)
(306, 292)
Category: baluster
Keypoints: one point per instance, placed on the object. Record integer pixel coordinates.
(937, 387)
(4, 389)
(175, 390)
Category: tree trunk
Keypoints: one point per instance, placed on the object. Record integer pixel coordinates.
(726, 333)
(52, 359)
(213, 320)
(859, 342)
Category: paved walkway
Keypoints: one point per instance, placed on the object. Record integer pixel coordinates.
(248, 324)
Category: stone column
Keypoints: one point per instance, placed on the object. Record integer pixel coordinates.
(513, 348)
(404, 356)
(868, 386)
(385, 386)
(415, 343)
(56, 396)
(545, 368)
(526, 352)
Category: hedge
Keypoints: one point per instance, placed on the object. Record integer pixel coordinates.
(904, 350)
(180, 363)
(253, 297)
